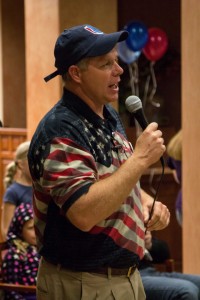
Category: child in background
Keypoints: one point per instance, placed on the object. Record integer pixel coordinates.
(20, 263)
(18, 185)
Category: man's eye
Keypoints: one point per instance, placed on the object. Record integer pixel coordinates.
(107, 64)
(110, 63)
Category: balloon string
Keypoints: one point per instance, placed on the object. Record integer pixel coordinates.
(156, 104)
(136, 78)
(133, 73)
(146, 90)
(131, 79)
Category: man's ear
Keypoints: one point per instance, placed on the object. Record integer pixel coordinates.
(74, 73)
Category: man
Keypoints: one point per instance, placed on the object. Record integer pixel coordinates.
(89, 217)
(165, 285)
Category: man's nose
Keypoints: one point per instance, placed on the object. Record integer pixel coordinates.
(118, 70)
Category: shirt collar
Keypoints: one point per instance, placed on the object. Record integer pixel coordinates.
(75, 103)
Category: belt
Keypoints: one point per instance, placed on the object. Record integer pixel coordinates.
(105, 271)
(115, 272)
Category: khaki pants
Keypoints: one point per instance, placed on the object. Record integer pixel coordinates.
(55, 283)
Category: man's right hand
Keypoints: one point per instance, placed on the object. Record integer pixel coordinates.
(150, 145)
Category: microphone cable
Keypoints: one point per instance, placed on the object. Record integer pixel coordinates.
(157, 190)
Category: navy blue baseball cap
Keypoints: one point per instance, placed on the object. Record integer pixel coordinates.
(82, 41)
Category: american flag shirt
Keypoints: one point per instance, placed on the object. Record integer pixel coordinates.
(71, 149)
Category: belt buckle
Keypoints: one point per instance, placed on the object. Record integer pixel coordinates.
(130, 271)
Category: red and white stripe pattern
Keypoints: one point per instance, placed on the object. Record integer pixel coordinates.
(68, 168)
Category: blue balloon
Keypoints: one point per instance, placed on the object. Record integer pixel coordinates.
(125, 54)
(138, 35)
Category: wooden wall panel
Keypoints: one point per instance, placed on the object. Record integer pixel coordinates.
(191, 131)
(41, 31)
(13, 64)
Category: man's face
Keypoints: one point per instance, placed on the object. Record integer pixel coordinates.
(99, 82)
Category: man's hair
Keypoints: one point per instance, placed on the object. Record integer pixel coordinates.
(82, 64)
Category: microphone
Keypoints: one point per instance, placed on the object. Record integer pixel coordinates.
(134, 105)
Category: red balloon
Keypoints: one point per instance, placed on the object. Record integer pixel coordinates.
(157, 44)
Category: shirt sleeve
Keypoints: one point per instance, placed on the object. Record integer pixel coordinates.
(10, 196)
(68, 171)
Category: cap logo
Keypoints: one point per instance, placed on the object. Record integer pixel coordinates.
(93, 29)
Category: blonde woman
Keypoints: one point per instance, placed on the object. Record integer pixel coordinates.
(18, 185)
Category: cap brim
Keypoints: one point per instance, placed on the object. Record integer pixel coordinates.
(51, 76)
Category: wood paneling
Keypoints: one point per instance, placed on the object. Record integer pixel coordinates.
(13, 63)
(191, 131)
(41, 31)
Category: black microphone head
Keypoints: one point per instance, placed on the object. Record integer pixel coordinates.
(133, 103)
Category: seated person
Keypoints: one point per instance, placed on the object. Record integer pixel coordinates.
(21, 260)
(17, 184)
(165, 285)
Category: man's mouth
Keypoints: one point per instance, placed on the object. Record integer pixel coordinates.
(113, 86)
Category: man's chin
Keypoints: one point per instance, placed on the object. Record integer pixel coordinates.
(113, 99)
